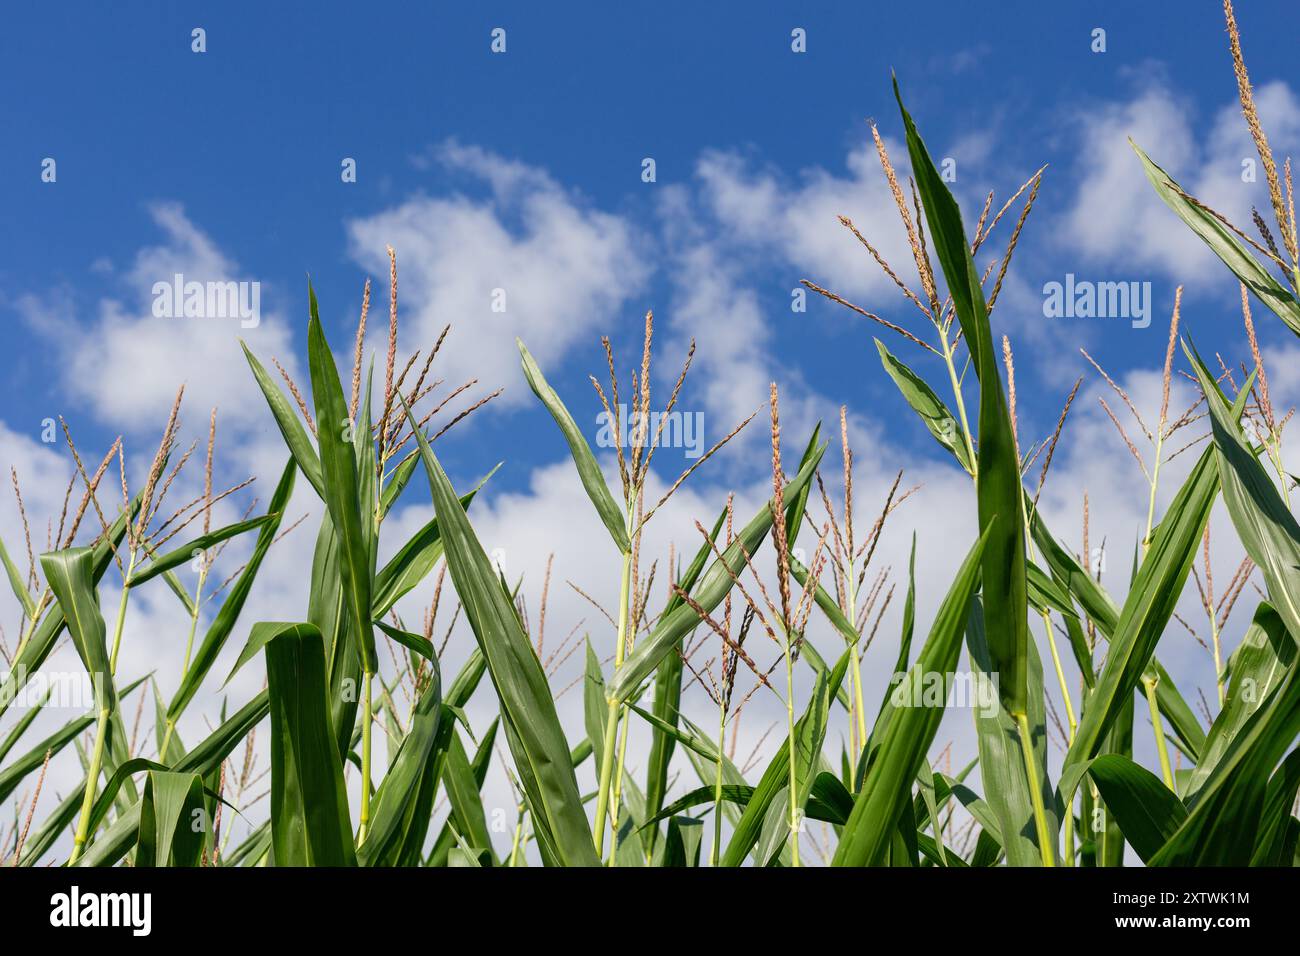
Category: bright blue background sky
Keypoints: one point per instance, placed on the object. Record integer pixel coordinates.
(248, 136)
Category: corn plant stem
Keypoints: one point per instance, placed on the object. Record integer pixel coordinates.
(859, 707)
(611, 719)
(794, 776)
(1035, 793)
(189, 648)
(92, 775)
(1151, 499)
(617, 796)
(366, 720)
(1069, 833)
(519, 832)
(717, 788)
(1060, 676)
(194, 619)
(1218, 657)
(82, 833)
(121, 615)
(1158, 726)
(855, 660)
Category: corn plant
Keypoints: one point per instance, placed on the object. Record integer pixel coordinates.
(334, 668)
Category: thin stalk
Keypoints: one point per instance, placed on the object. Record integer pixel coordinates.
(717, 788)
(82, 833)
(1151, 499)
(859, 707)
(519, 832)
(1165, 770)
(189, 648)
(1218, 658)
(1069, 833)
(1060, 675)
(194, 619)
(92, 776)
(611, 719)
(121, 615)
(618, 786)
(855, 660)
(794, 776)
(367, 718)
(1035, 794)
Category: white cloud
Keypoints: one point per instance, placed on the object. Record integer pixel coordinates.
(1117, 220)
(125, 364)
(564, 269)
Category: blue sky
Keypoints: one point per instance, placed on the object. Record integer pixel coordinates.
(522, 171)
(248, 136)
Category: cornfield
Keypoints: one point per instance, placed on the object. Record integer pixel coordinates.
(373, 760)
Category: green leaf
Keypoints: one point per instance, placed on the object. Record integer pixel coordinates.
(1001, 754)
(168, 810)
(1224, 244)
(342, 493)
(527, 706)
(116, 840)
(772, 793)
(30, 762)
(1260, 663)
(1147, 611)
(17, 582)
(1103, 612)
(412, 642)
(947, 431)
(1263, 521)
(997, 483)
(187, 552)
(402, 805)
(1147, 811)
(588, 470)
(463, 793)
(47, 632)
(291, 427)
(70, 574)
(1279, 832)
(685, 834)
(1225, 813)
(309, 804)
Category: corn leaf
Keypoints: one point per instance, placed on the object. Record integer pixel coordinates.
(998, 488)
(309, 808)
(528, 713)
(1224, 245)
(588, 470)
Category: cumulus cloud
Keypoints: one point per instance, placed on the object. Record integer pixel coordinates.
(1117, 220)
(125, 363)
(530, 259)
